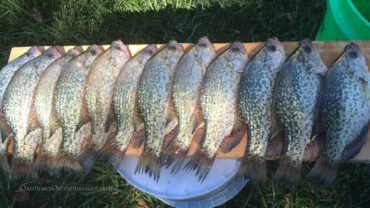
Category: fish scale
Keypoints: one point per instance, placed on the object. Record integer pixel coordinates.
(345, 113)
(297, 98)
(255, 105)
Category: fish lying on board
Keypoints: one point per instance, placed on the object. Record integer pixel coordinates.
(19, 111)
(125, 106)
(45, 113)
(345, 113)
(255, 106)
(99, 92)
(297, 94)
(6, 74)
(155, 106)
(185, 93)
(71, 109)
(219, 103)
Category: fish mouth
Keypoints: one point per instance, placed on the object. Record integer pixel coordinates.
(174, 45)
(306, 44)
(120, 46)
(273, 44)
(95, 49)
(36, 50)
(352, 49)
(55, 51)
(237, 46)
(204, 42)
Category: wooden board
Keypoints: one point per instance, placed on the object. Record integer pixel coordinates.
(329, 52)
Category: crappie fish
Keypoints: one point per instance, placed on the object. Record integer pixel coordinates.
(125, 104)
(70, 106)
(219, 105)
(99, 91)
(6, 75)
(344, 113)
(44, 107)
(185, 93)
(19, 109)
(255, 106)
(155, 106)
(299, 84)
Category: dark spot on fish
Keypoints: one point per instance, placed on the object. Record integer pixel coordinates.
(271, 48)
(352, 54)
(307, 49)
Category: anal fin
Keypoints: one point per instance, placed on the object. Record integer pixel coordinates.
(352, 149)
(231, 141)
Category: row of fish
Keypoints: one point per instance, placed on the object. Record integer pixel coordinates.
(73, 108)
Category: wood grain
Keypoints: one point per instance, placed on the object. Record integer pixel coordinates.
(329, 52)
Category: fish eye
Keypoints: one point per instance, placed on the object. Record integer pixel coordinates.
(307, 49)
(352, 54)
(271, 48)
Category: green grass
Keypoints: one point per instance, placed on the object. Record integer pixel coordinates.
(37, 22)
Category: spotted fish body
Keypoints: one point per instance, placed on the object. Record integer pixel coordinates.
(219, 103)
(344, 113)
(125, 102)
(99, 90)
(297, 97)
(6, 75)
(154, 105)
(70, 106)
(255, 106)
(44, 105)
(186, 90)
(18, 109)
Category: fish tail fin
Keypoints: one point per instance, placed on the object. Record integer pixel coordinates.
(254, 168)
(46, 163)
(322, 173)
(4, 164)
(150, 164)
(201, 163)
(69, 163)
(174, 155)
(23, 169)
(87, 161)
(288, 172)
(113, 154)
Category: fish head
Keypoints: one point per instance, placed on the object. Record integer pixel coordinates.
(308, 54)
(120, 53)
(237, 56)
(174, 51)
(91, 53)
(35, 51)
(148, 53)
(355, 62)
(205, 50)
(53, 53)
(274, 53)
(74, 51)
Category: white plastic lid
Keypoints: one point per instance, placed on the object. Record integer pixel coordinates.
(213, 200)
(182, 186)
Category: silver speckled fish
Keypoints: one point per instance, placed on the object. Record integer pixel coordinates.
(99, 91)
(6, 75)
(125, 104)
(185, 93)
(219, 105)
(70, 105)
(299, 84)
(44, 106)
(255, 106)
(344, 113)
(19, 112)
(154, 103)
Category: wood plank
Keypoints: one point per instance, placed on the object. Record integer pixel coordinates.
(329, 52)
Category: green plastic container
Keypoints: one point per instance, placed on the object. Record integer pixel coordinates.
(346, 20)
